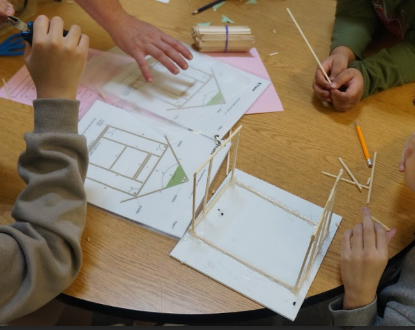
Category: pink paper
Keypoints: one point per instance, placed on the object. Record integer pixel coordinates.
(251, 62)
(22, 88)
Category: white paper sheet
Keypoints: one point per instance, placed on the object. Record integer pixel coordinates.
(210, 96)
(261, 234)
(140, 174)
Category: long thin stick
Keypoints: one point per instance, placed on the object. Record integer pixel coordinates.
(309, 46)
(384, 226)
(342, 179)
(359, 186)
(101, 93)
(7, 89)
(371, 178)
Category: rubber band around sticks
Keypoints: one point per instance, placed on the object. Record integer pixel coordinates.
(227, 37)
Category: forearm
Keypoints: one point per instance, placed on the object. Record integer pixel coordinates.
(40, 254)
(107, 13)
(354, 25)
(388, 68)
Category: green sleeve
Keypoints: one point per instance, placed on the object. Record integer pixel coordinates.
(390, 67)
(355, 23)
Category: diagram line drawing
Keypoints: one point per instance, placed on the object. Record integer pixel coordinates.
(132, 163)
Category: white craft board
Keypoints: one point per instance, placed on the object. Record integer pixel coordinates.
(128, 159)
(261, 234)
(210, 96)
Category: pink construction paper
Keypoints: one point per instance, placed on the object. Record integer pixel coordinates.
(251, 62)
(22, 88)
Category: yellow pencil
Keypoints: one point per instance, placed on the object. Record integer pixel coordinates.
(362, 142)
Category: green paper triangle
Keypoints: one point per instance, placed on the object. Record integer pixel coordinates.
(226, 19)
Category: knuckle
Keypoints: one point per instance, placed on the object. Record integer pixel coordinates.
(368, 255)
(158, 53)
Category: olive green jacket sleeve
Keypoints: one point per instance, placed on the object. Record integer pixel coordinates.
(40, 254)
(390, 67)
(354, 25)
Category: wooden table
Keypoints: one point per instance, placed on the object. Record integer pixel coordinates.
(128, 268)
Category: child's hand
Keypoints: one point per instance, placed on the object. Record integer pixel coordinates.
(407, 163)
(56, 63)
(352, 83)
(364, 255)
(334, 64)
(6, 8)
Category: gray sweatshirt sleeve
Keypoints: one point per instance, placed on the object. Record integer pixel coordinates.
(40, 254)
(396, 301)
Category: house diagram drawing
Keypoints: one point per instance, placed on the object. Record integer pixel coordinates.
(133, 164)
(192, 88)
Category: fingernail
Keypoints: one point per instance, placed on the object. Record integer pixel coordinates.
(365, 208)
(9, 11)
(333, 85)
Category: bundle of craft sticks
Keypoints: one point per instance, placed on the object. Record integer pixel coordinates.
(223, 38)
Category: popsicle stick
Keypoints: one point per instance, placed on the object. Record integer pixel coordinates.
(371, 177)
(359, 186)
(7, 89)
(309, 46)
(379, 222)
(342, 179)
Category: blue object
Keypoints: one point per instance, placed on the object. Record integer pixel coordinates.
(28, 35)
(13, 45)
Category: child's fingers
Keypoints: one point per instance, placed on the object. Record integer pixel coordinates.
(74, 35)
(346, 244)
(27, 51)
(321, 80)
(369, 237)
(84, 42)
(342, 79)
(389, 235)
(56, 28)
(357, 239)
(383, 239)
(41, 28)
(402, 161)
(321, 93)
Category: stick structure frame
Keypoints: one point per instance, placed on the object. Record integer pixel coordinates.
(316, 239)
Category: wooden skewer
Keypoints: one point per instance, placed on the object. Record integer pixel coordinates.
(359, 186)
(384, 226)
(7, 89)
(101, 93)
(371, 178)
(309, 46)
(368, 181)
(342, 179)
(272, 54)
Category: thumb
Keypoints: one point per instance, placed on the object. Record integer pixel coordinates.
(27, 52)
(389, 235)
(341, 79)
(338, 67)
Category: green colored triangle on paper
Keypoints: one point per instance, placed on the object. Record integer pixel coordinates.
(226, 19)
(204, 24)
(215, 7)
(249, 2)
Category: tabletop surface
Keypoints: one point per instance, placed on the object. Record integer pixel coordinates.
(128, 266)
